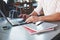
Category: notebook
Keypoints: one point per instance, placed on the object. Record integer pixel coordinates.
(41, 28)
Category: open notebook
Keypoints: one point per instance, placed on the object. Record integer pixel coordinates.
(41, 28)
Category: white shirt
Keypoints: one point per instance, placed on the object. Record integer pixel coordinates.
(49, 6)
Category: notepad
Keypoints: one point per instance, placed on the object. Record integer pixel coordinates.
(44, 27)
(32, 31)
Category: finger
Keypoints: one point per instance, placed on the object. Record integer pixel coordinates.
(27, 16)
(35, 20)
(27, 21)
(24, 16)
(20, 15)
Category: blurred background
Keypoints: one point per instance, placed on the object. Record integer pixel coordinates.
(16, 7)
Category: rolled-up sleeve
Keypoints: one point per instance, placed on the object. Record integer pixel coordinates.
(38, 8)
(58, 6)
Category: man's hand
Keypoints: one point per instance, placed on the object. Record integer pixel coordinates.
(32, 19)
(24, 16)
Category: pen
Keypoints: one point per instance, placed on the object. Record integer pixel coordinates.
(39, 23)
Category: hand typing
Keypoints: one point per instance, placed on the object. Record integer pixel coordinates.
(32, 19)
(24, 16)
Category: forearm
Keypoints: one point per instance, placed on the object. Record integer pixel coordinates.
(35, 13)
(54, 17)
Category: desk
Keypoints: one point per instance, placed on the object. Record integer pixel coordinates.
(19, 33)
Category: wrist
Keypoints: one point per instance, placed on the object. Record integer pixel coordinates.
(41, 18)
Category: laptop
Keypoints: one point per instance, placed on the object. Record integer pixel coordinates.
(13, 22)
